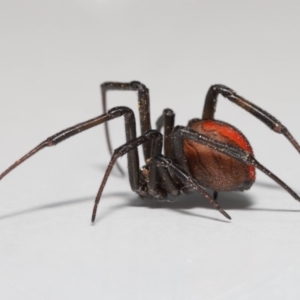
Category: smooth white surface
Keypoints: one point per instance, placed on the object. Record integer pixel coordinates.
(53, 56)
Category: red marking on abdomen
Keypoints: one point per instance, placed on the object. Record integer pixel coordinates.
(231, 133)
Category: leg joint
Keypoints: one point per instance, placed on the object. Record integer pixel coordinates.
(140, 87)
(222, 89)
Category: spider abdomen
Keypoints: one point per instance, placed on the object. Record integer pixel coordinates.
(215, 170)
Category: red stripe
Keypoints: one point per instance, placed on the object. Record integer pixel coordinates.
(234, 135)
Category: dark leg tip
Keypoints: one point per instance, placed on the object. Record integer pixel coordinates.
(224, 213)
(93, 217)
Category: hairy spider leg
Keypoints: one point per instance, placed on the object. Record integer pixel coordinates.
(155, 139)
(144, 110)
(166, 120)
(211, 104)
(130, 129)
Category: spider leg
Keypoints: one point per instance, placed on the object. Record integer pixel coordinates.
(160, 181)
(152, 136)
(180, 133)
(133, 161)
(171, 184)
(144, 109)
(166, 120)
(211, 104)
(186, 179)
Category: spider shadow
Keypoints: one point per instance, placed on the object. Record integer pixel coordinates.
(184, 202)
(228, 200)
(59, 204)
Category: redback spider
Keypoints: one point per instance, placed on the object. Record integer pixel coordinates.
(206, 154)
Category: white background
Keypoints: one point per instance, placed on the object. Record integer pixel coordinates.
(53, 56)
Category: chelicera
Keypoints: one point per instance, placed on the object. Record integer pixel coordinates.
(205, 154)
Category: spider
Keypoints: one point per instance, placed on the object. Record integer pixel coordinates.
(205, 154)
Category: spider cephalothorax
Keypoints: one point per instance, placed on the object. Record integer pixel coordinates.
(205, 154)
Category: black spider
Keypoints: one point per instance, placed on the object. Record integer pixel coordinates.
(205, 154)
